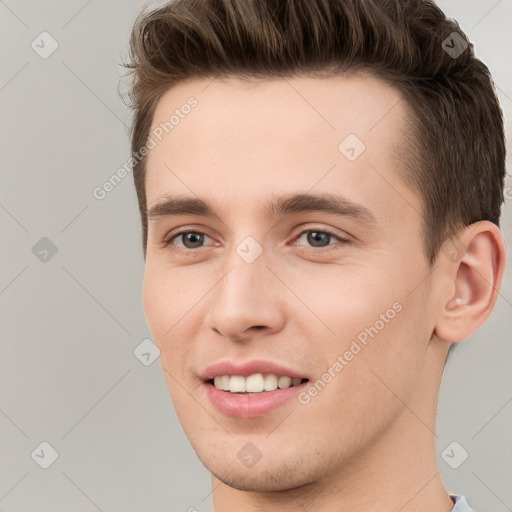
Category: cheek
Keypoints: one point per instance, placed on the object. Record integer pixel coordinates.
(353, 306)
(167, 297)
(380, 333)
(165, 309)
(157, 304)
(373, 380)
(165, 312)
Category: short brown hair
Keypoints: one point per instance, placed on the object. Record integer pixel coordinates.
(455, 147)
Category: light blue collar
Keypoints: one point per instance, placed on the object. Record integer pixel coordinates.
(461, 505)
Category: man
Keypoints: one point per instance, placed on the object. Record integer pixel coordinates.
(320, 186)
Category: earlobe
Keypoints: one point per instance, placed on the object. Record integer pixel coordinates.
(476, 279)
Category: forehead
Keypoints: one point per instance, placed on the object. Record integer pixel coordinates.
(239, 139)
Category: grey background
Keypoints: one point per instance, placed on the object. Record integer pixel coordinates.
(70, 325)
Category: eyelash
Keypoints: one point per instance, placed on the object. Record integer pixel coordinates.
(342, 241)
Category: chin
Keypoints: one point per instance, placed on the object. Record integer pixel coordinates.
(266, 475)
(261, 481)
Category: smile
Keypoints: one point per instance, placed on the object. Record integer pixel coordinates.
(248, 389)
(255, 383)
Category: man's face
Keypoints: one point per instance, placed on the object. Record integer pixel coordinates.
(349, 312)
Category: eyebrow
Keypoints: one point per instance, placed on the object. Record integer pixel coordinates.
(175, 205)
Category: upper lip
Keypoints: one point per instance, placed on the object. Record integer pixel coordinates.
(246, 368)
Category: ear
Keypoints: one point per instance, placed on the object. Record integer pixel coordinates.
(475, 265)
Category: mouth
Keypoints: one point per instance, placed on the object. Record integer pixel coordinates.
(254, 384)
(249, 389)
(252, 396)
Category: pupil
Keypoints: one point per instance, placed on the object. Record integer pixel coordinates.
(189, 238)
(313, 238)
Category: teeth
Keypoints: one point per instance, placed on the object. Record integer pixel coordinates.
(237, 384)
(255, 383)
(284, 382)
(222, 382)
(270, 382)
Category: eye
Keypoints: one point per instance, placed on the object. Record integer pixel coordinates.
(190, 239)
(318, 238)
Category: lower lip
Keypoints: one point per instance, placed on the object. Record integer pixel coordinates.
(250, 406)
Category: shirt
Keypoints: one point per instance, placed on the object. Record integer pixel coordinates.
(461, 505)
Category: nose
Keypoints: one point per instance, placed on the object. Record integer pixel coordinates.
(248, 300)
